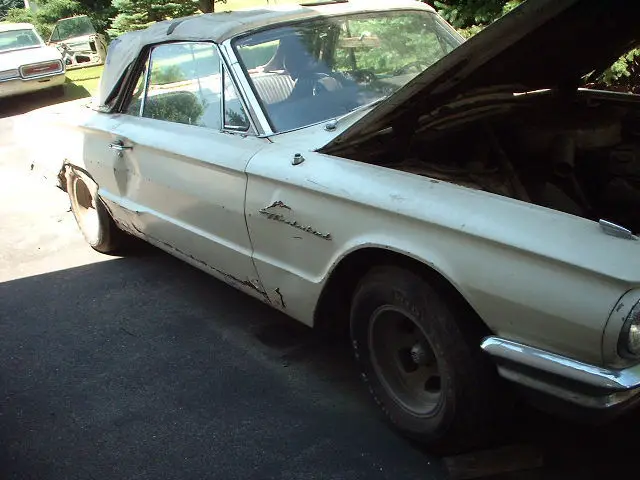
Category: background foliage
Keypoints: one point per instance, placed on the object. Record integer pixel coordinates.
(117, 16)
(471, 16)
(6, 5)
(50, 11)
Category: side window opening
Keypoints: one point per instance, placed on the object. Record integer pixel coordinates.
(183, 85)
(135, 104)
(235, 117)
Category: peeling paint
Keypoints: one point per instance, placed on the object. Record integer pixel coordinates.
(316, 183)
(228, 277)
(295, 224)
(284, 305)
(278, 203)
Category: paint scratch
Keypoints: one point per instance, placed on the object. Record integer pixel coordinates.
(278, 203)
(281, 297)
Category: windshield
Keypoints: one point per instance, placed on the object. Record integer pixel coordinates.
(72, 27)
(14, 39)
(320, 69)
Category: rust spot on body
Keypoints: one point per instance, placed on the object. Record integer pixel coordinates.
(278, 203)
(284, 305)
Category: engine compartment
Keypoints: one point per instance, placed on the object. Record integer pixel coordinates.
(579, 155)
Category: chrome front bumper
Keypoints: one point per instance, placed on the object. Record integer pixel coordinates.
(567, 379)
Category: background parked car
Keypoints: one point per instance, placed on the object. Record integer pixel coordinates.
(26, 63)
(79, 43)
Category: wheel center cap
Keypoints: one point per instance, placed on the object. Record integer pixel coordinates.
(419, 354)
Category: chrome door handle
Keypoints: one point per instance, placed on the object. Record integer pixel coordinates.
(119, 146)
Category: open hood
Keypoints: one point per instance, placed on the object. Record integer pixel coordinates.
(540, 44)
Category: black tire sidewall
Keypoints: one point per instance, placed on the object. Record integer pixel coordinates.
(413, 296)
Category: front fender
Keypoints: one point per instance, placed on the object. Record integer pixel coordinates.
(532, 274)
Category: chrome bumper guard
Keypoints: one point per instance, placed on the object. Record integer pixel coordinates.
(576, 382)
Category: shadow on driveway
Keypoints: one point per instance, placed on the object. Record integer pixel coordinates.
(31, 101)
(147, 368)
(144, 367)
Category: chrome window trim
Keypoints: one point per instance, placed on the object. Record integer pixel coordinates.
(146, 83)
(224, 69)
(230, 128)
(263, 128)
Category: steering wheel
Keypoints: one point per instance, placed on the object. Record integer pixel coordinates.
(320, 87)
(361, 76)
(419, 66)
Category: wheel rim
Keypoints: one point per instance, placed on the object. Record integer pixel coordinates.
(404, 361)
(87, 212)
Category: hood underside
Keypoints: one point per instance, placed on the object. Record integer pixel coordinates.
(541, 44)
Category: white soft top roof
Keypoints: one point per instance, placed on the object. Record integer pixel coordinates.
(8, 27)
(218, 27)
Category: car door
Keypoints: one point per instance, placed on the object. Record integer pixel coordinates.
(179, 161)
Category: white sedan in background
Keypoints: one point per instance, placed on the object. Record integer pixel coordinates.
(26, 63)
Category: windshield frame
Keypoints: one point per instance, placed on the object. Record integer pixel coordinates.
(69, 20)
(444, 32)
(15, 31)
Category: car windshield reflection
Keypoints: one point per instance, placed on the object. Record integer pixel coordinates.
(16, 39)
(317, 70)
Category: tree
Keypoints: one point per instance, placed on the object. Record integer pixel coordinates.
(50, 11)
(139, 14)
(471, 16)
(6, 5)
(209, 6)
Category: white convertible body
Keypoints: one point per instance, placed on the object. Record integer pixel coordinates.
(297, 216)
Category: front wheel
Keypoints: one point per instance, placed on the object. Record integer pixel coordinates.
(421, 361)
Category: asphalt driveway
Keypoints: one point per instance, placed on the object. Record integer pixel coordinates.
(144, 367)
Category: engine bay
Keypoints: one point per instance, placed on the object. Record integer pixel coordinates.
(579, 155)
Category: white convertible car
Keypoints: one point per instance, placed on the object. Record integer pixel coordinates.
(466, 209)
(26, 63)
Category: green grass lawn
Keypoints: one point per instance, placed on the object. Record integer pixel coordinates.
(82, 83)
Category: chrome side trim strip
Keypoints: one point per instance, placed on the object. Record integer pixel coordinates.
(614, 380)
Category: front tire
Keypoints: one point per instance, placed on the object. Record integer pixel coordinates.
(92, 217)
(421, 359)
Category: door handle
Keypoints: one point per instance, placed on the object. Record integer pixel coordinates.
(119, 146)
